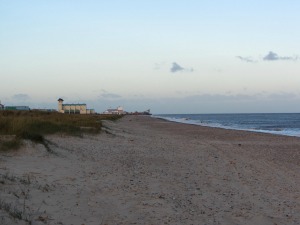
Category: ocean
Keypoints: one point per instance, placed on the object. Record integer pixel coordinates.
(275, 123)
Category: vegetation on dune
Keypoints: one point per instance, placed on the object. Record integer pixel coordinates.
(14, 143)
(34, 125)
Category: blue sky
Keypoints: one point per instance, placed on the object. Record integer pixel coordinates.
(169, 56)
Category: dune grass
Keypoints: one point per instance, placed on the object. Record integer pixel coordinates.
(34, 125)
(14, 143)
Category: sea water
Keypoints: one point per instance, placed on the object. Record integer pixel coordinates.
(275, 123)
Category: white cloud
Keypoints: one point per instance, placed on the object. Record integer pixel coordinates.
(272, 56)
(246, 59)
(106, 94)
(159, 65)
(177, 68)
(21, 97)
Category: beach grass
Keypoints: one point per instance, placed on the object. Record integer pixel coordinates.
(34, 125)
(14, 143)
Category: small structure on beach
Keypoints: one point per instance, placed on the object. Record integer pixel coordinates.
(79, 108)
(117, 111)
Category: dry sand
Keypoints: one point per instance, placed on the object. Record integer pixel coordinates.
(149, 171)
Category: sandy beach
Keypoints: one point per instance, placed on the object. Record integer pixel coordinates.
(142, 170)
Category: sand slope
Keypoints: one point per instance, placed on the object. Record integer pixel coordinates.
(142, 170)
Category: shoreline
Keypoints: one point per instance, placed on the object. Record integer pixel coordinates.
(224, 128)
(273, 132)
(145, 170)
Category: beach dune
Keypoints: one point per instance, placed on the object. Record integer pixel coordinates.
(143, 170)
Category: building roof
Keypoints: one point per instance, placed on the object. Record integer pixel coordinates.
(73, 104)
(20, 106)
(17, 107)
(60, 99)
(112, 110)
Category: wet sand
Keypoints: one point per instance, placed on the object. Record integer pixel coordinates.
(142, 170)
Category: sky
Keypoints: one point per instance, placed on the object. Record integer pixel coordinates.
(192, 56)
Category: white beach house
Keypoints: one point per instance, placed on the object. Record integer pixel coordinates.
(117, 111)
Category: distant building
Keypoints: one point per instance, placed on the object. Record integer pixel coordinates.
(73, 108)
(21, 108)
(1, 106)
(117, 111)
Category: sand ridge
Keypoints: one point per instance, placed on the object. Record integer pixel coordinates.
(142, 170)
